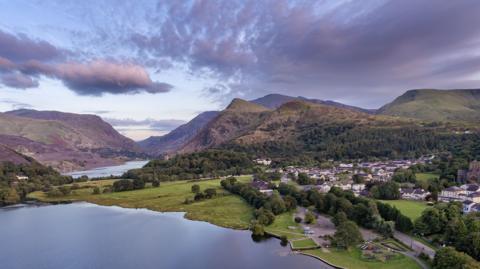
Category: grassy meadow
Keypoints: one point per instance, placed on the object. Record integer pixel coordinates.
(353, 259)
(411, 209)
(224, 209)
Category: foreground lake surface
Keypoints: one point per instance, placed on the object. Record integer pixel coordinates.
(83, 235)
(115, 170)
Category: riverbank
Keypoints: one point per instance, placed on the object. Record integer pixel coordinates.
(225, 210)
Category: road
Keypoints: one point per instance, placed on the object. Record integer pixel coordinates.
(418, 247)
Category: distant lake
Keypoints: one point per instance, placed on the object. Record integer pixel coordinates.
(83, 235)
(115, 170)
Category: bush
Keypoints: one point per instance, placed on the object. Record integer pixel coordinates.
(96, 190)
(309, 218)
(155, 183)
(298, 219)
(122, 185)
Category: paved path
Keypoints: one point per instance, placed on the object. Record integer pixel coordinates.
(418, 247)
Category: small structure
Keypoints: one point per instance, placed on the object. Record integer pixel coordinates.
(414, 194)
(22, 177)
(263, 161)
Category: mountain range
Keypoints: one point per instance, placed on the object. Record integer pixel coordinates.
(275, 122)
(240, 116)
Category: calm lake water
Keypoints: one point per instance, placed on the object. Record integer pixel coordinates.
(116, 170)
(83, 235)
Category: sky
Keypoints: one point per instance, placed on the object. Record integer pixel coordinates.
(148, 66)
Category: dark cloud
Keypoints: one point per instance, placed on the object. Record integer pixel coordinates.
(162, 125)
(317, 49)
(19, 48)
(99, 77)
(18, 80)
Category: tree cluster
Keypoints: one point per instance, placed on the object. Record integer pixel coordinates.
(446, 225)
(209, 163)
(14, 190)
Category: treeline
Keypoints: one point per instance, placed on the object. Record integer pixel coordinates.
(14, 190)
(445, 225)
(209, 163)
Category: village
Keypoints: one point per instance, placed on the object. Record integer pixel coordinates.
(355, 177)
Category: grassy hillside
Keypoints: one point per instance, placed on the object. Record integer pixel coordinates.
(436, 105)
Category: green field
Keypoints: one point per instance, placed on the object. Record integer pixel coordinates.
(281, 226)
(425, 177)
(224, 210)
(352, 259)
(411, 209)
(303, 244)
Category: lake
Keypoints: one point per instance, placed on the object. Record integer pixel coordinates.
(83, 235)
(115, 170)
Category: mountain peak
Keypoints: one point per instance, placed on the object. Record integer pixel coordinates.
(436, 105)
(241, 105)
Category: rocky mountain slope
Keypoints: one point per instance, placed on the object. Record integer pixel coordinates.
(65, 141)
(9, 155)
(436, 105)
(238, 118)
(157, 145)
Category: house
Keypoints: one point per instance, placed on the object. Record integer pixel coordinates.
(470, 188)
(260, 185)
(263, 161)
(474, 197)
(358, 187)
(452, 194)
(414, 194)
(467, 206)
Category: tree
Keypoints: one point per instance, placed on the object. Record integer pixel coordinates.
(122, 185)
(195, 188)
(304, 179)
(96, 190)
(210, 192)
(65, 190)
(138, 183)
(11, 197)
(309, 218)
(347, 235)
(290, 202)
(339, 218)
(257, 229)
(449, 258)
(264, 217)
(276, 203)
(385, 191)
(358, 179)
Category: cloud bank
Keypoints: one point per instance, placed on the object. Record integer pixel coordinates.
(23, 61)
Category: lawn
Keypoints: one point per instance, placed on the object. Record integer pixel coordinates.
(411, 209)
(425, 177)
(281, 227)
(303, 244)
(224, 210)
(352, 259)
